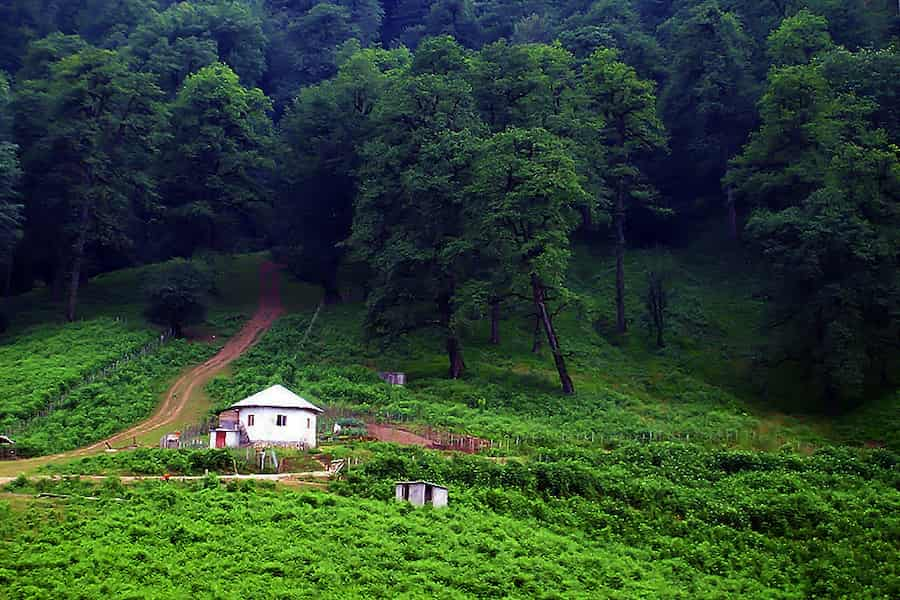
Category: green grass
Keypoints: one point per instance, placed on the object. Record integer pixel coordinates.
(40, 364)
(661, 521)
(99, 409)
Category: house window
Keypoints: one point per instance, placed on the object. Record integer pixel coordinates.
(281, 420)
(307, 423)
(251, 419)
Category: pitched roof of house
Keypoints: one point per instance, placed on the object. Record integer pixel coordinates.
(277, 396)
(6, 440)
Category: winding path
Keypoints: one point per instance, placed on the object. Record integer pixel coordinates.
(177, 399)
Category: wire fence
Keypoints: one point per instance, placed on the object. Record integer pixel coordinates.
(62, 400)
(523, 441)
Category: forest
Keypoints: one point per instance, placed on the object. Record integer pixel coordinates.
(443, 156)
(642, 255)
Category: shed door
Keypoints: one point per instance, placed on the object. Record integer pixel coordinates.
(220, 439)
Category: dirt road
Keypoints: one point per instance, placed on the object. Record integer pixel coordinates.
(281, 477)
(179, 395)
(387, 433)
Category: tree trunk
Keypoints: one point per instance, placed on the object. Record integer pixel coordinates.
(454, 352)
(621, 325)
(732, 215)
(543, 314)
(495, 323)
(332, 295)
(536, 345)
(454, 347)
(78, 259)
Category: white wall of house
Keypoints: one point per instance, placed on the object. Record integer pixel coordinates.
(300, 425)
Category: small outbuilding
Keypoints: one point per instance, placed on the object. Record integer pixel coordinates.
(274, 417)
(392, 377)
(420, 493)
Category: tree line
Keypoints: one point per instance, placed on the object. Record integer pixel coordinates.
(451, 149)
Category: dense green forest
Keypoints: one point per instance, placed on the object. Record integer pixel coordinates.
(444, 155)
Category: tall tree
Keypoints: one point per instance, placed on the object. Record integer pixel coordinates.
(408, 224)
(825, 184)
(323, 132)
(528, 192)
(102, 124)
(626, 129)
(10, 209)
(707, 102)
(217, 165)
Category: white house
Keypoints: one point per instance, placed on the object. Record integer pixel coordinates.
(273, 417)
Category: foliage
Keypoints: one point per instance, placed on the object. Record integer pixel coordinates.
(799, 38)
(40, 364)
(96, 410)
(825, 183)
(640, 519)
(178, 295)
(10, 174)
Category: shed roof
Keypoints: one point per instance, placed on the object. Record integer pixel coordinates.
(6, 440)
(437, 485)
(277, 396)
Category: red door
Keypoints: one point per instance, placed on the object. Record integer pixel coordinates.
(220, 439)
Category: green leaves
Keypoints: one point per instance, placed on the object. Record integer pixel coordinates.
(219, 156)
(525, 194)
(178, 294)
(799, 38)
(827, 185)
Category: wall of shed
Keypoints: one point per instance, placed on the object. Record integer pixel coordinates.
(440, 497)
(232, 439)
(300, 428)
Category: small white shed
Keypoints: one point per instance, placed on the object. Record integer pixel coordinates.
(274, 417)
(420, 493)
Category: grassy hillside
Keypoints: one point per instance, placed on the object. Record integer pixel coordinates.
(655, 521)
(702, 387)
(666, 476)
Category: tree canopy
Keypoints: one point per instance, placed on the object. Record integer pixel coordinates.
(449, 153)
